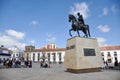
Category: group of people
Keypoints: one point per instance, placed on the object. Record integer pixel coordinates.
(44, 64)
(28, 63)
(106, 64)
(14, 63)
(8, 63)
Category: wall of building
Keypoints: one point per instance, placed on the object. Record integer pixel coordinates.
(52, 53)
(48, 56)
(16, 53)
(4, 53)
(112, 55)
(48, 53)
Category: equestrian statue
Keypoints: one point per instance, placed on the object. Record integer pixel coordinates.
(78, 24)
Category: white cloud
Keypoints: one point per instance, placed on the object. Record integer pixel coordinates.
(8, 41)
(51, 38)
(101, 41)
(105, 11)
(80, 7)
(34, 22)
(15, 34)
(32, 42)
(104, 28)
(114, 9)
(49, 35)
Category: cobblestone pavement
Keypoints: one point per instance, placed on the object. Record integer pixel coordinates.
(56, 72)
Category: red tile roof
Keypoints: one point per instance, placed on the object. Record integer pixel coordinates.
(110, 48)
(3, 48)
(104, 48)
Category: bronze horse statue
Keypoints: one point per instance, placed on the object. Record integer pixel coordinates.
(76, 26)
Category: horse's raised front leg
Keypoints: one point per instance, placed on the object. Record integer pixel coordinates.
(70, 32)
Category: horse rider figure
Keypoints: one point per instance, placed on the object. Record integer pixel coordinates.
(78, 24)
(80, 20)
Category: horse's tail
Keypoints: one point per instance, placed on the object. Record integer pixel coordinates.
(89, 31)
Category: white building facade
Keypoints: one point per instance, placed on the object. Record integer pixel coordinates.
(110, 54)
(16, 53)
(48, 53)
(4, 53)
(53, 54)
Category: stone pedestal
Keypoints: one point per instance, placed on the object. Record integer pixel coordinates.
(82, 55)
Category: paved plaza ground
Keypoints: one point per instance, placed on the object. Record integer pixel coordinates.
(56, 72)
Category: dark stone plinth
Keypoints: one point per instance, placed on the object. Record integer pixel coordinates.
(84, 70)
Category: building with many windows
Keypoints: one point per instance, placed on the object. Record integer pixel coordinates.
(50, 53)
(4, 53)
(54, 54)
(110, 54)
(17, 53)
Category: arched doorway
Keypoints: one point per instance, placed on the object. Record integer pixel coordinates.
(109, 58)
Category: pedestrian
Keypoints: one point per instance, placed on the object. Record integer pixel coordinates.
(41, 64)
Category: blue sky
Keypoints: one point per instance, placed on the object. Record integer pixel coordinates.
(41, 22)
